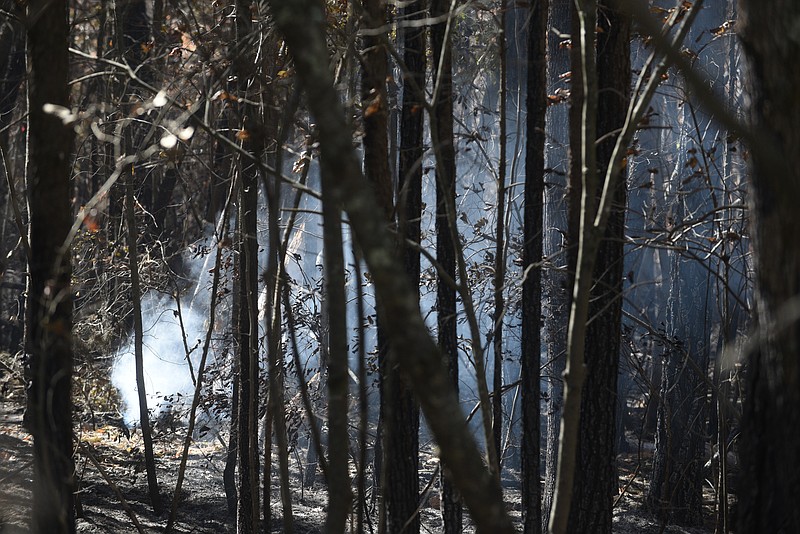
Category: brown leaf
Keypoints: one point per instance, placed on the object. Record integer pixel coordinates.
(374, 106)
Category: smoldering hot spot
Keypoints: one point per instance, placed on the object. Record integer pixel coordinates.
(170, 332)
(167, 377)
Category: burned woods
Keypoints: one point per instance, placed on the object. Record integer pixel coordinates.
(423, 266)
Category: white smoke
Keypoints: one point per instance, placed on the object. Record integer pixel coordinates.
(168, 380)
(167, 373)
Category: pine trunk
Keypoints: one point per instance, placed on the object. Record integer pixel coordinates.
(536, 106)
(595, 483)
(771, 433)
(49, 306)
(442, 123)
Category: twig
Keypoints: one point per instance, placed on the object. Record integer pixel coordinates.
(87, 450)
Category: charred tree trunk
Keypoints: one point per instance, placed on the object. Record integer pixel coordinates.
(138, 331)
(536, 105)
(400, 415)
(442, 124)
(595, 483)
(500, 248)
(232, 454)
(339, 494)
(409, 210)
(587, 241)
(556, 283)
(675, 493)
(771, 436)
(274, 279)
(133, 32)
(248, 510)
(247, 330)
(49, 307)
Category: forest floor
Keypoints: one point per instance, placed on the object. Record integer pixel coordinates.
(109, 498)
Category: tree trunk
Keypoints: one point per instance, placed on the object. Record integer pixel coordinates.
(596, 480)
(247, 330)
(49, 308)
(400, 415)
(771, 433)
(339, 494)
(138, 331)
(575, 372)
(536, 105)
(232, 454)
(498, 280)
(676, 490)
(556, 283)
(675, 493)
(442, 133)
(248, 511)
(133, 31)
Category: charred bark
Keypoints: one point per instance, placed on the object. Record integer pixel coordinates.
(49, 306)
(442, 133)
(595, 483)
(399, 413)
(536, 105)
(771, 434)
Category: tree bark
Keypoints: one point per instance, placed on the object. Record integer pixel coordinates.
(536, 106)
(399, 413)
(442, 135)
(339, 494)
(498, 281)
(49, 307)
(138, 331)
(558, 246)
(247, 330)
(771, 433)
(596, 481)
(248, 510)
(575, 372)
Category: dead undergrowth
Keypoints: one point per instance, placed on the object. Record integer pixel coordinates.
(112, 483)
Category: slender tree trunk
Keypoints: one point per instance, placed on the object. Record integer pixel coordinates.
(675, 493)
(556, 283)
(676, 489)
(247, 326)
(339, 494)
(442, 133)
(575, 373)
(275, 278)
(500, 248)
(248, 511)
(362, 512)
(138, 331)
(133, 31)
(536, 105)
(409, 210)
(595, 483)
(229, 474)
(400, 415)
(49, 307)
